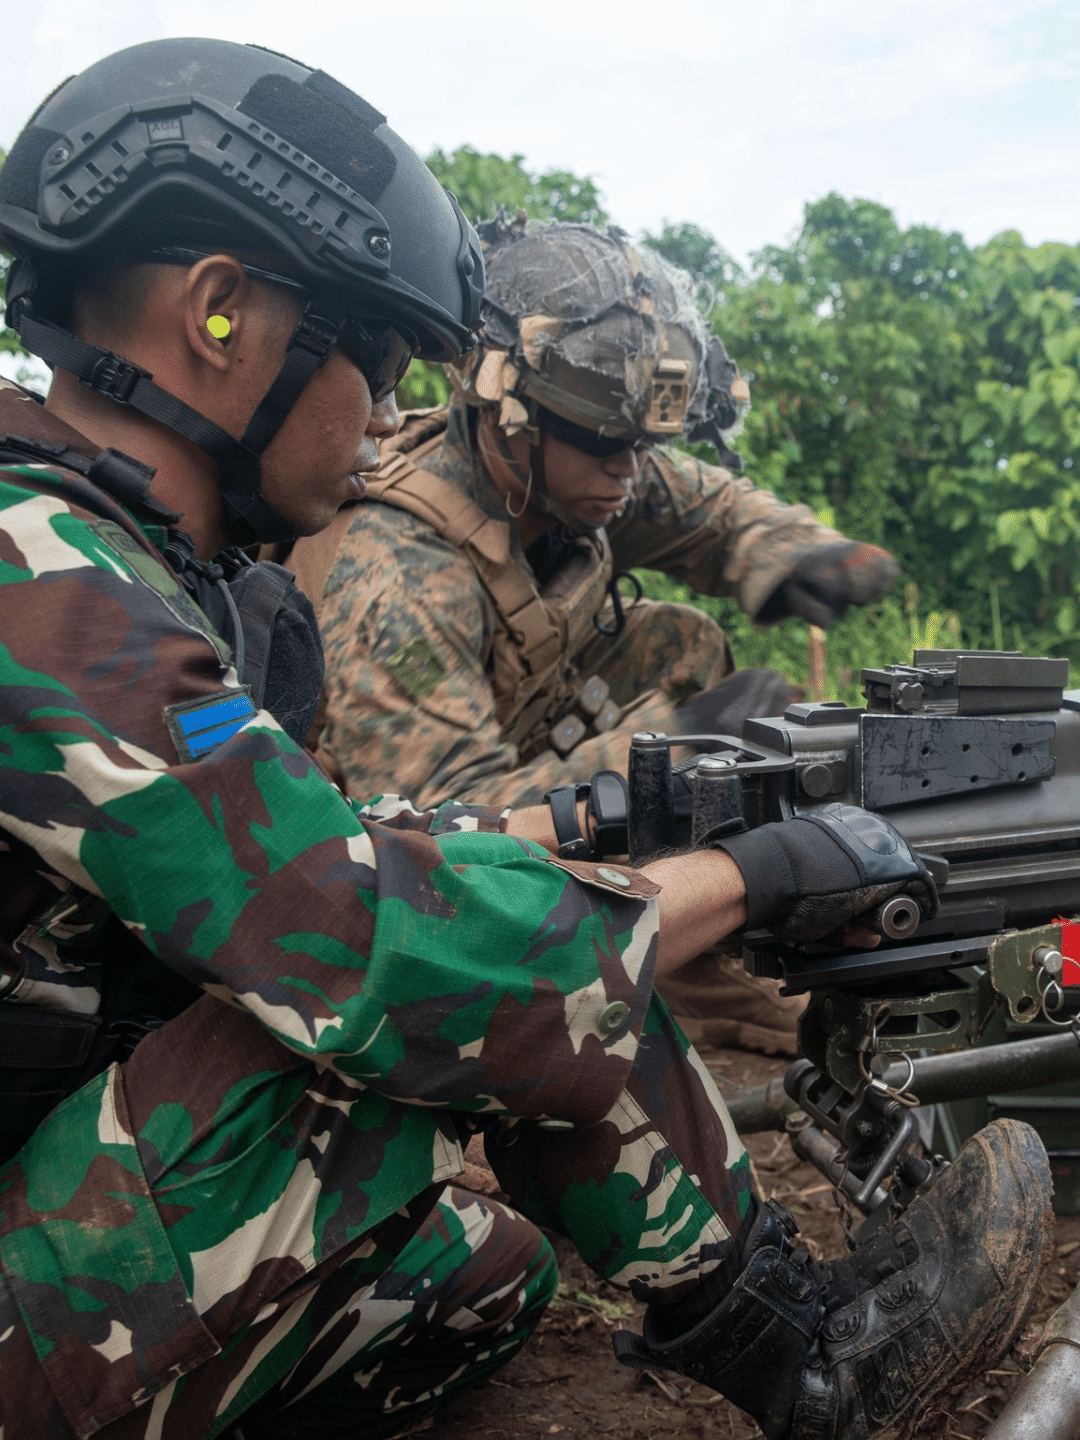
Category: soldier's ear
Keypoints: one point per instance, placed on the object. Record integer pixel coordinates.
(217, 298)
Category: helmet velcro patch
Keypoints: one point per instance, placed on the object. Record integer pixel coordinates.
(21, 174)
(339, 138)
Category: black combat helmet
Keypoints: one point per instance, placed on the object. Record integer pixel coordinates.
(178, 148)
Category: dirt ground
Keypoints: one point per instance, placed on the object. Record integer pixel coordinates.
(566, 1381)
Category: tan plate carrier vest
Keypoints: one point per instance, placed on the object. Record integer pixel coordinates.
(537, 631)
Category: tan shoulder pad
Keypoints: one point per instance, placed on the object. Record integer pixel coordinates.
(417, 427)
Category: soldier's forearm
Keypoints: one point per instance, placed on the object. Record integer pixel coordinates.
(533, 822)
(702, 899)
(720, 534)
(703, 896)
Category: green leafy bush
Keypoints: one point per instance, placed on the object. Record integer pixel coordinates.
(923, 395)
(882, 634)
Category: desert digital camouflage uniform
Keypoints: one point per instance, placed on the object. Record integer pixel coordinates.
(253, 1208)
(413, 639)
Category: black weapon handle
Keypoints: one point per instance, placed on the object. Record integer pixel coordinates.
(652, 795)
(651, 821)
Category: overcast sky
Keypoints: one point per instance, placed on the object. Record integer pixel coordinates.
(958, 113)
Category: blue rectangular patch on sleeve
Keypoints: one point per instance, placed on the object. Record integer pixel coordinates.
(199, 726)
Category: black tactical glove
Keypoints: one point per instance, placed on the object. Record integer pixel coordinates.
(808, 876)
(827, 581)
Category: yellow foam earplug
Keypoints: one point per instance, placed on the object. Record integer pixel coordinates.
(218, 326)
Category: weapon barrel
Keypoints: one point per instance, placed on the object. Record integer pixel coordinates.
(1046, 1404)
(764, 1107)
(1022, 1065)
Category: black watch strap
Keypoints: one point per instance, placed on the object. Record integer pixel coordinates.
(609, 806)
(563, 801)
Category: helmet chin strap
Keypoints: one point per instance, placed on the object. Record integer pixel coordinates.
(249, 516)
(534, 479)
(488, 431)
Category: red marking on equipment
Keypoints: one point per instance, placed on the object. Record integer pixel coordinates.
(1070, 948)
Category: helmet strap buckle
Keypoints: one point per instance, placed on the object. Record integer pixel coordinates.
(115, 377)
(315, 334)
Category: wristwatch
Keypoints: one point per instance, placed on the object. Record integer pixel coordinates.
(609, 805)
(608, 797)
(563, 800)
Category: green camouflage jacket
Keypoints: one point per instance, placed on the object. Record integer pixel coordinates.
(425, 960)
(409, 628)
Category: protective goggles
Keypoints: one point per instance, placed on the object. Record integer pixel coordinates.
(600, 447)
(380, 351)
(382, 354)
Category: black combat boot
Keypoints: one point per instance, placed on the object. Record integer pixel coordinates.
(855, 1348)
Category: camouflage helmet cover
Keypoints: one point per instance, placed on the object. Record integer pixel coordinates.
(603, 333)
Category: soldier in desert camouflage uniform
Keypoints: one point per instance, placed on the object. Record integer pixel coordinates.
(472, 645)
(440, 665)
(245, 1227)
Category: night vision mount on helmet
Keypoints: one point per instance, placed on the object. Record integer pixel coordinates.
(204, 146)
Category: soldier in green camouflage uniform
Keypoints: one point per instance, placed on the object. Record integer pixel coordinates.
(245, 1226)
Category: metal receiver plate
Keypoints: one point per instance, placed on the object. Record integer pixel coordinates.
(947, 1015)
(906, 758)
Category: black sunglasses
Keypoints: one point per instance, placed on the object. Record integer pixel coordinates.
(383, 355)
(380, 351)
(600, 447)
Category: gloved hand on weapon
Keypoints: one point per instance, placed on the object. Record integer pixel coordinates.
(813, 877)
(828, 580)
(814, 874)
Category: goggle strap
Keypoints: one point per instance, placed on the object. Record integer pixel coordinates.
(581, 437)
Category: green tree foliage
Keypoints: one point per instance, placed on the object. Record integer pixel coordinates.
(699, 252)
(882, 634)
(484, 182)
(9, 341)
(923, 395)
